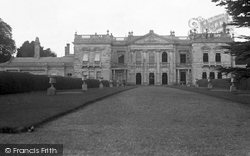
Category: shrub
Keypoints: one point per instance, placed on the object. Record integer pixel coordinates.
(16, 82)
(12, 82)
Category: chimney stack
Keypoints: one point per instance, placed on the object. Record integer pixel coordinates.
(37, 48)
(67, 49)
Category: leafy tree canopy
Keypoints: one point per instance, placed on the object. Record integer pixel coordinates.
(239, 10)
(28, 48)
(7, 44)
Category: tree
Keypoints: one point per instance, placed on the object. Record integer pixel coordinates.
(28, 48)
(238, 9)
(240, 12)
(7, 44)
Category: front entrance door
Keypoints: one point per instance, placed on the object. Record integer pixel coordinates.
(138, 78)
(164, 78)
(183, 78)
(151, 78)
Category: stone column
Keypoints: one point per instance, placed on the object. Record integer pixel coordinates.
(145, 73)
(158, 73)
(178, 76)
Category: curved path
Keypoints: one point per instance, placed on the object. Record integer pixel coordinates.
(149, 121)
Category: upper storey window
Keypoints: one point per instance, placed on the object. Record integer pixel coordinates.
(183, 58)
(164, 57)
(97, 57)
(205, 57)
(217, 57)
(151, 57)
(85, 57)
(121, 59)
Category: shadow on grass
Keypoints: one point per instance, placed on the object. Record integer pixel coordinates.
(23, 112)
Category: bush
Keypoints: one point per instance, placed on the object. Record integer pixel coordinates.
(243, 84)
(11, 82)
(220, 83)
(16, 82)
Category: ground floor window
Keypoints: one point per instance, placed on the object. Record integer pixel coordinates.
(183, 78)
(98, 75)
(211, 75)
(151, 78)
(91, 75)
(219, 75)
(204, 75)
(164, 78)
(138, 78)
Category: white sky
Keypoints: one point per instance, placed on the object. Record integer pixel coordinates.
(56, 21)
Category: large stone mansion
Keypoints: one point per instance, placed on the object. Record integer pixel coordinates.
(143, 60)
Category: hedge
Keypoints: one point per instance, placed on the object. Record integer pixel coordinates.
(16, 82)
(243, 84)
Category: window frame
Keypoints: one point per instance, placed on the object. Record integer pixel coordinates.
(164, 57)
(205, 57)
(85, 57)
(181, 58)
(217, 58)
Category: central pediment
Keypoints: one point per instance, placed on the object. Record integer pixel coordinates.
(151, 38)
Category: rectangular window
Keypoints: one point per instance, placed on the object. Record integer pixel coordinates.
(182, 58)
(121, 59)
(219, 75)
(85, 74)
(204, 75)
(97, 57)
(217, 57)
(98, 74)
(211, 75)
(91, 74)
(205, 57)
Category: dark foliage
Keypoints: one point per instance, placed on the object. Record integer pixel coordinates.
(240, 12)
(15, 82)
(28, 49)
(238, 9)
(243, 84)
(7, 44)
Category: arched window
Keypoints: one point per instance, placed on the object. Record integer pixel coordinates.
(97, 57)
(151, 57)
(164, 57)
(138, 57)
(85, 57)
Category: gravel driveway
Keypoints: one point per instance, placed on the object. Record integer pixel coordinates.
(149, 121)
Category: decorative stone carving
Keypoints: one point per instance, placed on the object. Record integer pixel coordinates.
(152, 39)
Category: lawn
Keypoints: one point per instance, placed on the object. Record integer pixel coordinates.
(18, 112)
(241, 96)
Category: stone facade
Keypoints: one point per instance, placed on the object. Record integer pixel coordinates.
(143, 60)
(152, 58)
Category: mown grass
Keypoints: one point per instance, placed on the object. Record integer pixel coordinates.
(241, 96)
(18, 112)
